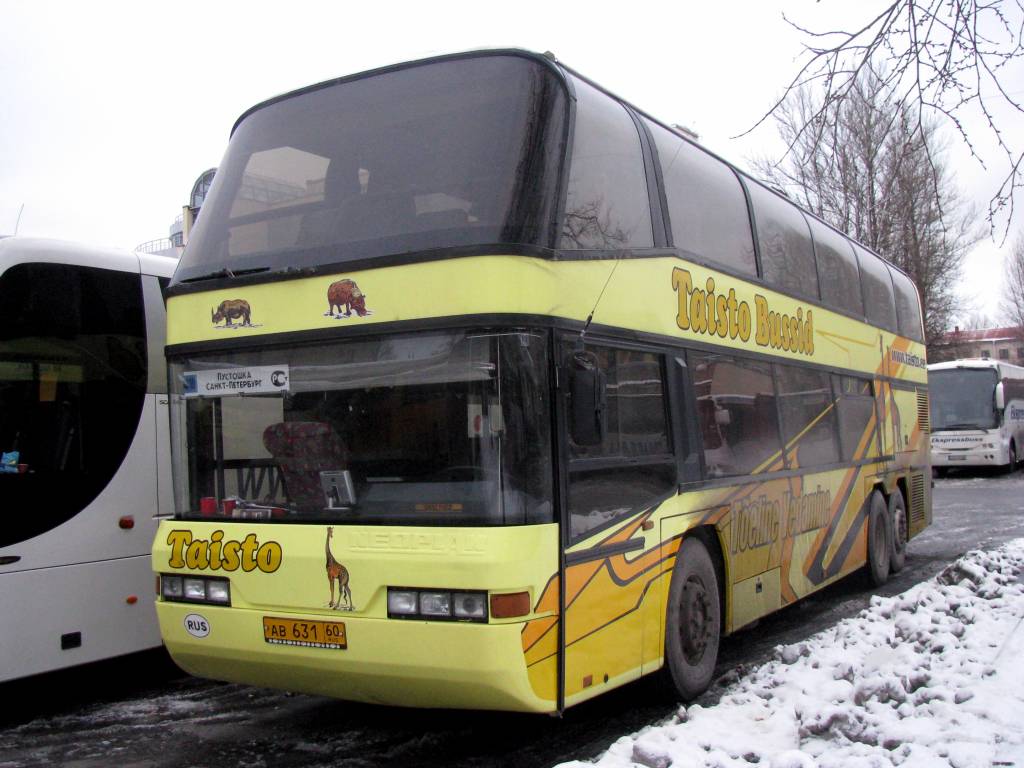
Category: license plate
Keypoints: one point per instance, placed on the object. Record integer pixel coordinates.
(957, 458)
(304, 633)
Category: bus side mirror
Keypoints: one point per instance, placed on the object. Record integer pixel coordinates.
(1000, 397)
(588, 387)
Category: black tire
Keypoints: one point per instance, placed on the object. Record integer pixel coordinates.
(693, 621)
(1013, 458)
(940, 472)
(879, 536)
(898, 526)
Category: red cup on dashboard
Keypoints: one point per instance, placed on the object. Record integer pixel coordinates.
(228, 506)
(208, 505)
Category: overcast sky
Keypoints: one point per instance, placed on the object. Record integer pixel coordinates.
(110, 110)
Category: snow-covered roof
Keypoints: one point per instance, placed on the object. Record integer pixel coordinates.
(958, 336)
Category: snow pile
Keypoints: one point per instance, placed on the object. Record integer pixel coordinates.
(932, 677)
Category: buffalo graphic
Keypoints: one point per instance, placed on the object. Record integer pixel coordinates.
(232, 309)
(345, 294)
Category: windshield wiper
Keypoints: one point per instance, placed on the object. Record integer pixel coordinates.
(963, 425)
(225, 272)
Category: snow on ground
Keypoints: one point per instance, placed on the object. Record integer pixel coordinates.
(932, 677)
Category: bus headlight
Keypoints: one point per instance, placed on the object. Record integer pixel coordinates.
(437, 605)
(469, 605)
(195, 589)
(171, 588)
(218, 591)
(402, 602)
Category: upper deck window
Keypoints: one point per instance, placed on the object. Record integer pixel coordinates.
(908, 307)
(607, 206)
(707, 207)
(876, 284)
(457, 152)
(837, 270)
(787, 256)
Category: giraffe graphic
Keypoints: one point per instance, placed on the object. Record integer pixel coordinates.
(337, 572)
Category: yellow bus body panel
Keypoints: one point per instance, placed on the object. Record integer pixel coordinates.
(386, 661)
(781, 536)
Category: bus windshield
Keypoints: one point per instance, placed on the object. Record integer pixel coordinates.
(450, 153)
(417, 429)
(962, 398)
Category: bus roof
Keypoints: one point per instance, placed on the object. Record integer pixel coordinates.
(42, 249)
(1007, 369)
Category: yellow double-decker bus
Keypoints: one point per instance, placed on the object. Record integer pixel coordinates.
(488, 390)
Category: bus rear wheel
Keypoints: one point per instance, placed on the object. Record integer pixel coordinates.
(898, 523)
(879, 536)
(693, 621)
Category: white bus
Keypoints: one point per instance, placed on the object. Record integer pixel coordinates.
(86, 465)
(977, 414)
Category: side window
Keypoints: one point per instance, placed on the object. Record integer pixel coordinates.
(607, 206)
(809, 426)
(855, 407)
(706, 204)
(879, 303)
(837, 269)
(736, 409)
(787, 257)
(908, 307)
(73, 371)
(633, 465)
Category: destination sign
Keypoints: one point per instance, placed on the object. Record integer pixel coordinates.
(253, 380)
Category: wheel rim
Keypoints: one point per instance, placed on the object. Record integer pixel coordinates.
(899, 527)
(695, 624)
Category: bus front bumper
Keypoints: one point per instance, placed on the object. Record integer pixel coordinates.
(984, 457)
(386, 661)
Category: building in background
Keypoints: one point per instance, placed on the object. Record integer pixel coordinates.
(177, 235)
(1006, 344)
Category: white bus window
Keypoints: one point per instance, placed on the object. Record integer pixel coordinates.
(607, 206)
(706, 204)
(72, 384)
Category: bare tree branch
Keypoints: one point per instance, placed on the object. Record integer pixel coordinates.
(871, 167)
(944, 57)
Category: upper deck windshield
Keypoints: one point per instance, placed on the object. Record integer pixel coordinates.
(417, 429)
(455, 152)
(962, 398)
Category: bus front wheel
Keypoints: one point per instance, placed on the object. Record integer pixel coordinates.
(693, 622)
(879, 536)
